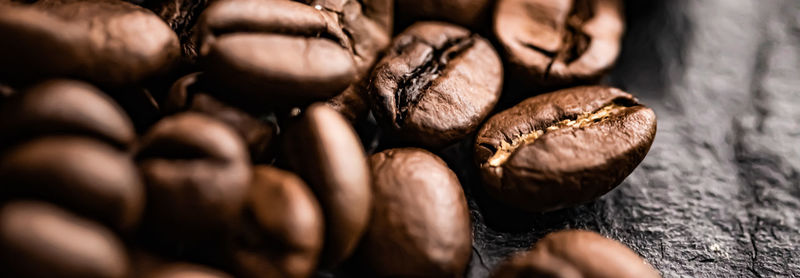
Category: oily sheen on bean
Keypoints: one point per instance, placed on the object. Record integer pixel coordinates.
(420, 223)
(563, 148)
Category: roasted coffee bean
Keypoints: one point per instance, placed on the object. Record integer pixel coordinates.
(420, 224)
(470, 13)
(436, 85)
(6, 92)
(285, 227)
(197, 173)
(287, 51)
(554, 43)
(64, 106)
(41, 240)
(185, 270)
(563, 148)
(576, 253)
(323, 149)
(82, 174)
(257, 134)
(108, 42)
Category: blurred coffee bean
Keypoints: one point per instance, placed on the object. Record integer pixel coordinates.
(284, 232)
(287, 51)
(197, 173)
(563, 148)
(186, 270)
(6, 92)
(436, 85)
(555, 43)
(185, 95)
(78, 173)
(420, 224)
(323, 148)
(41, 240)
(576, 253)
(108, 42)
(468, 13)
(63, 106)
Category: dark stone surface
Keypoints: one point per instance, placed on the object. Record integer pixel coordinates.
(719, 193)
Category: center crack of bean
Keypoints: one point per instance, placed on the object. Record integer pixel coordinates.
(586, 119)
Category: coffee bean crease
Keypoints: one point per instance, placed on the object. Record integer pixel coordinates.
(416, 83)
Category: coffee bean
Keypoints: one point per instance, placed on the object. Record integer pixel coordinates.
(576, 253)
(82, 174)
(469, 13)
(324, 149)
(186, 95)
(436, 84)
(41, 240)
(108, 42)
(563, 148)
(286, 51)
(185, 270)
(197, 172)
(554, 43)
(420, 223)
(285, 232)
(64, 106)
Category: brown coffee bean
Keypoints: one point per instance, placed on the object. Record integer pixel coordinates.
(197, 173)
(323, 148)
(287, 51)
(285, 232)
(436, 85)
(576, 253)
(185, 270)
(64, 106)
(82, 174)
(554, 43)
(257, 134)
(420, 223)
(108, 42)
(563, 148)
(41, 240)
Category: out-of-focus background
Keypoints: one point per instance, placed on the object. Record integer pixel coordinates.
(719, 193)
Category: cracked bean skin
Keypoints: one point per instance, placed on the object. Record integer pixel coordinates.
(563, 148)
(290, 51)
(576, 253)
(108, 42)
(559, 43)
(435, 85)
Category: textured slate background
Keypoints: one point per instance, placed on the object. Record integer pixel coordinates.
(718, 194)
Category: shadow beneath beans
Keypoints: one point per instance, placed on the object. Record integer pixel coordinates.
(653, 49)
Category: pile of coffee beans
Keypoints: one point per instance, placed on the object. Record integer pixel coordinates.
(277, 138)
